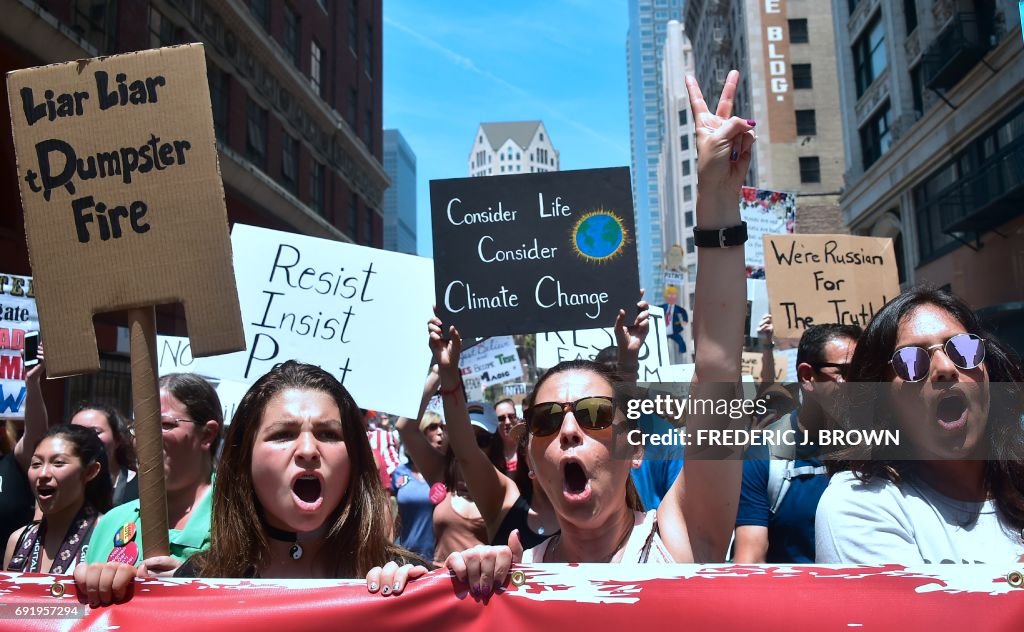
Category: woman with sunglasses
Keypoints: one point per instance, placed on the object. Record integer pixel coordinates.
(578, 446)
(953, 490)
(191, 418)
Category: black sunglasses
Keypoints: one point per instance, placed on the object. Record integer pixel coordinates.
(965, 351)
(842, 367)
(592, 413)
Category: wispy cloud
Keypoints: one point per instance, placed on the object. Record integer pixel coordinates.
(467, 63)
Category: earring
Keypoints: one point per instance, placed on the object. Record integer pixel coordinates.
(531, 475)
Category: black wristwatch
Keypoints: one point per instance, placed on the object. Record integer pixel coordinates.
(721, 237)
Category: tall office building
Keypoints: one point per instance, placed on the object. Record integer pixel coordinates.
(645, 42)
(512, 147)
(785, 52)
(400, 197)
(933, 111)
(677, 174)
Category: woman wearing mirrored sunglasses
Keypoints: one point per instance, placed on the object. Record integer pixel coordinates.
(953, 490)
(578, 446)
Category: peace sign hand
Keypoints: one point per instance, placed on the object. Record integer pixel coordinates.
(723, 141)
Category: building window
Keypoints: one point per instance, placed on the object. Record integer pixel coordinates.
(256, 134)
(368, 51)
(161, 30)
(798, 31)
(853, 4)
(688, 196)
(317, 183)
(810, 169)
(806, 123)
(260, 9)
(542, 136)
(683, 117)
(291, 34)
(290, 163)
(910, 15)
(802, 77)
(687, 216)
(368, 227)
(220, 84)
(869, 55)
(368, 129)
(353, 26)
(689, 245)
(316, 55)
(875, 138)
(917, 90)
(353, 107)
(684, 142)
(96, 22)
(686, 167)
(353, 217)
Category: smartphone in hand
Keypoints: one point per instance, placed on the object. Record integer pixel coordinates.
(31, 349)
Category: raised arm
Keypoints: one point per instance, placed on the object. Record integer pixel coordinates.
(697, 520)
(765, 333)
(428, 459)
(492, 491)
(630, 339)
(37, 422)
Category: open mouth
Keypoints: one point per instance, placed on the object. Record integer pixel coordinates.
(575, 482)
(45, 492)
(308, 491)
(952, 411)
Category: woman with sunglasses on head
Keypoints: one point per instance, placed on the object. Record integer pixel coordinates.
(190, 418)
(953, 490)
(578, 446)
(68, 475)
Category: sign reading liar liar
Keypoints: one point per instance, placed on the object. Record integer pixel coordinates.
(585, 344)
(818, 279)
(17, 317)
(533, 252)
(360, 313)
(124, 205)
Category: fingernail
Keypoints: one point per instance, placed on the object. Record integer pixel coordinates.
(385, 590)
(752, 122)
(485, 590)
(734, 156)
(373, 586)
(398, 586)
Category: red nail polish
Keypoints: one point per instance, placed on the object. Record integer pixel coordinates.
(752, 122)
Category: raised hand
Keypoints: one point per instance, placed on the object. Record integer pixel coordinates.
(630, 338)
(724, 141)
(766, 329)
(446, 352)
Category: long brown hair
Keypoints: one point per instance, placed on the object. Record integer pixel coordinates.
(359, 535)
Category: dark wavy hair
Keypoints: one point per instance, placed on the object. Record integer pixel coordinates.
(124, 452)
(866, 407)
(200, 400)
(359, 527)
(606, 373)
(99, 492)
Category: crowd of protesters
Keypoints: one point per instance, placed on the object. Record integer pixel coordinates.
(320, 488)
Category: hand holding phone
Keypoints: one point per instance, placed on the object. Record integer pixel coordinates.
(31, 349)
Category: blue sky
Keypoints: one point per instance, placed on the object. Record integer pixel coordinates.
(451, 65)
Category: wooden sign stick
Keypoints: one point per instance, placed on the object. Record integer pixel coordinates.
(148, 435)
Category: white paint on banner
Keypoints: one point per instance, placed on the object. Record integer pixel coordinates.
(18, 315)
(559, 346)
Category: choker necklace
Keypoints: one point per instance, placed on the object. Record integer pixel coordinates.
(286, 536)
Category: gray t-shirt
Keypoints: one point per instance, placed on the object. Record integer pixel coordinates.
(909, 524)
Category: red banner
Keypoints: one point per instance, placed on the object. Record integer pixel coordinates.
(560, 597)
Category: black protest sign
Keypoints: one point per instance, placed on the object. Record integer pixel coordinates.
(534, 252)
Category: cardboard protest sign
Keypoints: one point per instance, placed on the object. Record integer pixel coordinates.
(751, 365)
(534, 252)
(818, 279)
(360, 313)
(495, 360)
(18, 316)
(766, 213)
(555, 347)
(124, 206)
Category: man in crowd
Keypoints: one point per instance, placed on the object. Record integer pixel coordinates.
(507, 420)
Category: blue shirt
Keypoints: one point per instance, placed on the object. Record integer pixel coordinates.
(791, 529)
(660, 466)
(415, 512)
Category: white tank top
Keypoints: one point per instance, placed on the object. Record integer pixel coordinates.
(644, 545)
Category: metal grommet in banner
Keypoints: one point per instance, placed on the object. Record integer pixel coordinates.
(518, 578)
(1015, 579)
(57, 589)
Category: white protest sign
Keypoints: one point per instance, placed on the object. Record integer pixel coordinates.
(555, 347)
(495, 360)
(766, 213)
(357, 312)
(474, 388)
(757, 299)
(18, 315)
